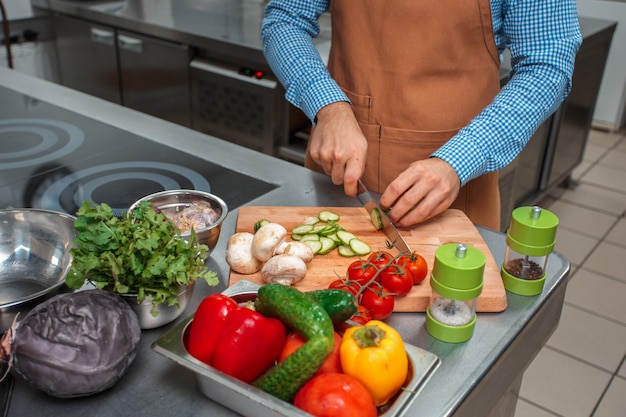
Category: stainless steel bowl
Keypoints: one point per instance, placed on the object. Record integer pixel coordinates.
(166, 314)
(34, 259)
(171, 202)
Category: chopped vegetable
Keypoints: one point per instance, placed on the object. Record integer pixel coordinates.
(141, 253)
(302, 314)
(326, 229)
(234, 339)
(374, 354)
(74, 344)
(376, 218)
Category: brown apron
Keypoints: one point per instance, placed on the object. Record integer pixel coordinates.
(416, 72)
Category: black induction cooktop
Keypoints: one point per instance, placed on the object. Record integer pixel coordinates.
(54, 159)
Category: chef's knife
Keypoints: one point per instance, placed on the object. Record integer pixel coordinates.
(367, 199)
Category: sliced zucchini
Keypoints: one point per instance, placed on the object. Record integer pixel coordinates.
(302, 229)
(346, 251)
(345, 236)
(359, 247)
(260, 224)
(319, 228)
(328, 216)
(296, 237)
(334, 237)
(315, 245)
(309, 236)
(327, 245)
(311, 220)
(376, 218)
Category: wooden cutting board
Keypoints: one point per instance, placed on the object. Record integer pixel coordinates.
(452, 226)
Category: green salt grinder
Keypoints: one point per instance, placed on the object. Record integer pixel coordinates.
(529, 240)
(456, 281)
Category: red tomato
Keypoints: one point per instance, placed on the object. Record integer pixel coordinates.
(397, 279)
(362, 315)
(340, 284)
(335, 395)
(379, 303)
(361, 272)
(416, 264)
(380, 259)
(332, 364)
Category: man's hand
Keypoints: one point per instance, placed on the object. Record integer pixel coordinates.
(425, 189)
(338, 145)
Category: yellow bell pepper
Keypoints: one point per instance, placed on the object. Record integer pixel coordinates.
(374, 354)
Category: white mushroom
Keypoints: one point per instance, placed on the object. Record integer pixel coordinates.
(239, 254)
(267, 239)
(299, 249)
(283, 269)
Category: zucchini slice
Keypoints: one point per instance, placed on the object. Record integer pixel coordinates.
(315, 245)
(328, 216)
(345, 236)
(359, 247)
(376, 218)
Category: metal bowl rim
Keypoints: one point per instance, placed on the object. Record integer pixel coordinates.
(51, 288)
(219, 200)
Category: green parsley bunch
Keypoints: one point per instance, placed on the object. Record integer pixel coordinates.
(142, 253)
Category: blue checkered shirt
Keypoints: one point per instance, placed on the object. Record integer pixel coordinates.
(542, 36)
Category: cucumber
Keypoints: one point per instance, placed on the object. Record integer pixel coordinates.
(345, 237)
(327, 245)
(260, 224)
(345, 251)
(315, 245)
(359, 247)
(303, 314)
(328, 216)
(376, 218)
(339, 304)
(330, 234)
(302, 229)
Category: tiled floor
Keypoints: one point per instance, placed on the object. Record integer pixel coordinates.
(581, 372)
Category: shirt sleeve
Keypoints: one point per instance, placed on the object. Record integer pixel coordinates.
(543, 37)
(287, 32)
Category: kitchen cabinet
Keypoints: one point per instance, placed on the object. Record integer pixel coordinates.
(558, 145)
(137, 71)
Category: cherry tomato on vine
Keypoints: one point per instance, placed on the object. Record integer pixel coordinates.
(416, 264)
(362, 315)
(379, 302)
(339, 284)
(397, 279)
(380, 259)
(361, 272)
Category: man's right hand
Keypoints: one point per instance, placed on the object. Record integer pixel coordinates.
(338, 145)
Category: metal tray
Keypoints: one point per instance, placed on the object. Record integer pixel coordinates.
(250, 401)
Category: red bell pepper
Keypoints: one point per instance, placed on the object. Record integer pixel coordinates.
(234, 339)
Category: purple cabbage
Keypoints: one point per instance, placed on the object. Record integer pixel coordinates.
(74, 344)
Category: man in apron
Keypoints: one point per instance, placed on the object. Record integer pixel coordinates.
(410, 101)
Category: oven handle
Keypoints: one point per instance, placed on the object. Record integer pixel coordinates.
(105, 37)
(129, 43)
(203, 65)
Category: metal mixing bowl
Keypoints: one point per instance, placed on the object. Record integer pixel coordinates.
(165, 314)
(34, 259)
(171, 202)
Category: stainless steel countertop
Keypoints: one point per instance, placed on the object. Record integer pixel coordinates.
(470, 380)
(227, 29)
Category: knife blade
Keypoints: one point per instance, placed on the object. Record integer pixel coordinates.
(370, 203)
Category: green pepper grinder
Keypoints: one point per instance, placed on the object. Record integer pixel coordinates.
(529, 242)
(456, 282)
